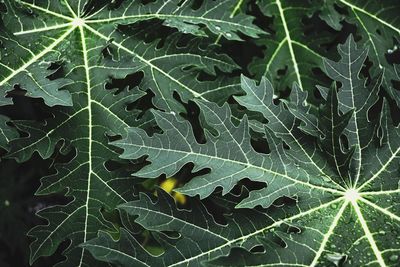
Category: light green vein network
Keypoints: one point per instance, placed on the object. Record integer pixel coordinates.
(350, 198)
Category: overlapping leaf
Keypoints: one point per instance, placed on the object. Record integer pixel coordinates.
(216, 16)
(330, 169)
(200, 234)
(297, 47)
(52, 50)
(379, 25)
(329, 200)
(300, 41)
(6, 132)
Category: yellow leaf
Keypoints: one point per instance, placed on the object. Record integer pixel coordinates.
(169, 184)
(179, 198)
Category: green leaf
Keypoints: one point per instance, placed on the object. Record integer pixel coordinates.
(285, 195)
(183, 16)
(200, 234)
(328, 199)
(164, 80)
(62, 52)
(155, 63)
(333, 124)
(353, 97)
(229, 156)
(7, 133)
(295, 47)
(27, 61)
(377, 23)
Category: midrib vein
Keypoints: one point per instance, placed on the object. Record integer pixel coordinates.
(370, 15)
(354, 118)
(383, 168)
(369, 235)
(247, 165)
(89, 98)
(289, 40)
(293, 137)
(162, 16)
(47, 11)
(328, 234)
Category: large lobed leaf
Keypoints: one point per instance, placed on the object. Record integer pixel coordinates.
(303, 33)
(339, 163)
(336, 187)
(379, 26)
(66, 54)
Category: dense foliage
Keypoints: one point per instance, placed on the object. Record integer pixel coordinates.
(199, 133)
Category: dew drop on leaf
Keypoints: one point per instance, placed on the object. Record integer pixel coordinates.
(336, 258)
(391, 51)
(326, 179)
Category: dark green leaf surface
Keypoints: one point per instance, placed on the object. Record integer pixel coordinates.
(379, 26)
(330, 198)
(65, 53)
(285, 172)
(295, 49)
(6, 132)
(215, 16)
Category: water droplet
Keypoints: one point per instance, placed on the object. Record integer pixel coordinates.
(173, 113)
(333, 246)
(336, 258)
(229, 35)
(381, 232)
(394, 258)
(6, 203)
(217, 28)
(326, 179)
(391, 51)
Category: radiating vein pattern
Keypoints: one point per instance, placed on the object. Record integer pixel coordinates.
(69, 55)
(325, 170)
(333, 188)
